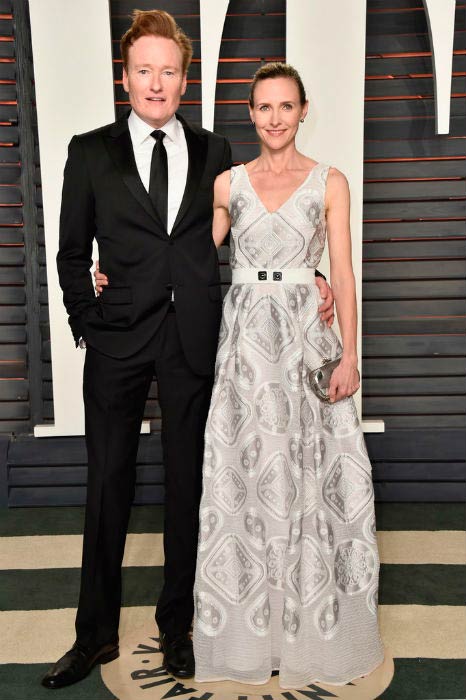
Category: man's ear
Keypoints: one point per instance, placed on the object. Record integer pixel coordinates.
(125, 80)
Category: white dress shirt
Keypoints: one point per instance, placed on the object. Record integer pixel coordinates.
(177, 158)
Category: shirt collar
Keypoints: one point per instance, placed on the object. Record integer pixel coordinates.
(140, 130)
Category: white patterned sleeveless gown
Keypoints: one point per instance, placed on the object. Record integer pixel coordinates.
(287, 568)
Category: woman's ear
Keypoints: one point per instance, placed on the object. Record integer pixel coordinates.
(305, 110)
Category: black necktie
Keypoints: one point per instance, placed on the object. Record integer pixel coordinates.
(158, 183)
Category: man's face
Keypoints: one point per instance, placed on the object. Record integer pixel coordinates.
(154, 79)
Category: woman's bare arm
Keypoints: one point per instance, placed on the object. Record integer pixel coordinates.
(345, 379)
(221, 219)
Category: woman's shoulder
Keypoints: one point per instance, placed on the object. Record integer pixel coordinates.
(337, 188)
(310, 164)
(225, 175)
(336, 174)
(336, 179)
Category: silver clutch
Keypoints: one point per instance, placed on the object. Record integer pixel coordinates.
(319, 379)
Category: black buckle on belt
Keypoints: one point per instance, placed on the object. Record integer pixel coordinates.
(277, 276)
(262, 275)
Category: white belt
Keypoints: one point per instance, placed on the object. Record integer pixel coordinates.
(291, 275)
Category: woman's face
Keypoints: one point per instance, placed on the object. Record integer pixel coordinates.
(277, 111)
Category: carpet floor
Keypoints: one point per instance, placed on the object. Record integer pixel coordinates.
(422, 604)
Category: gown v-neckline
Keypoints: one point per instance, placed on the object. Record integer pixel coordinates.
(276, 211)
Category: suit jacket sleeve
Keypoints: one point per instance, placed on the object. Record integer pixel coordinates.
(77, 230)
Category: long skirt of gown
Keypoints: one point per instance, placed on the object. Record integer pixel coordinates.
(287, 570)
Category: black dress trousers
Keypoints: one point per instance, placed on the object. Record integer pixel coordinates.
(115, 391)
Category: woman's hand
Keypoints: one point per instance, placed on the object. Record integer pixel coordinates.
(101, 280)
(326, 309)
(344, 381)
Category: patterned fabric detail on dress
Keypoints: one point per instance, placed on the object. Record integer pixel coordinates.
(287, 567)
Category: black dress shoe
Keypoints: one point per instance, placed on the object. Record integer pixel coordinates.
(77, 663)
(178, 655)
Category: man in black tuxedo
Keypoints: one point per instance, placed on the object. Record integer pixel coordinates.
(143, 188)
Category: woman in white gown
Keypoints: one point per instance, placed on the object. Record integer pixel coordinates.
(287, 569)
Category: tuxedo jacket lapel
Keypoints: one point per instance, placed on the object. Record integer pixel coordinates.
(121, 151)
(197, 154)
(120, 148)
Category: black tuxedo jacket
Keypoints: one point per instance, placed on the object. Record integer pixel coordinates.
(104, 198)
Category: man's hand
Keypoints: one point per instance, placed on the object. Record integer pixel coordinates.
(101, 280)
(326, 309)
